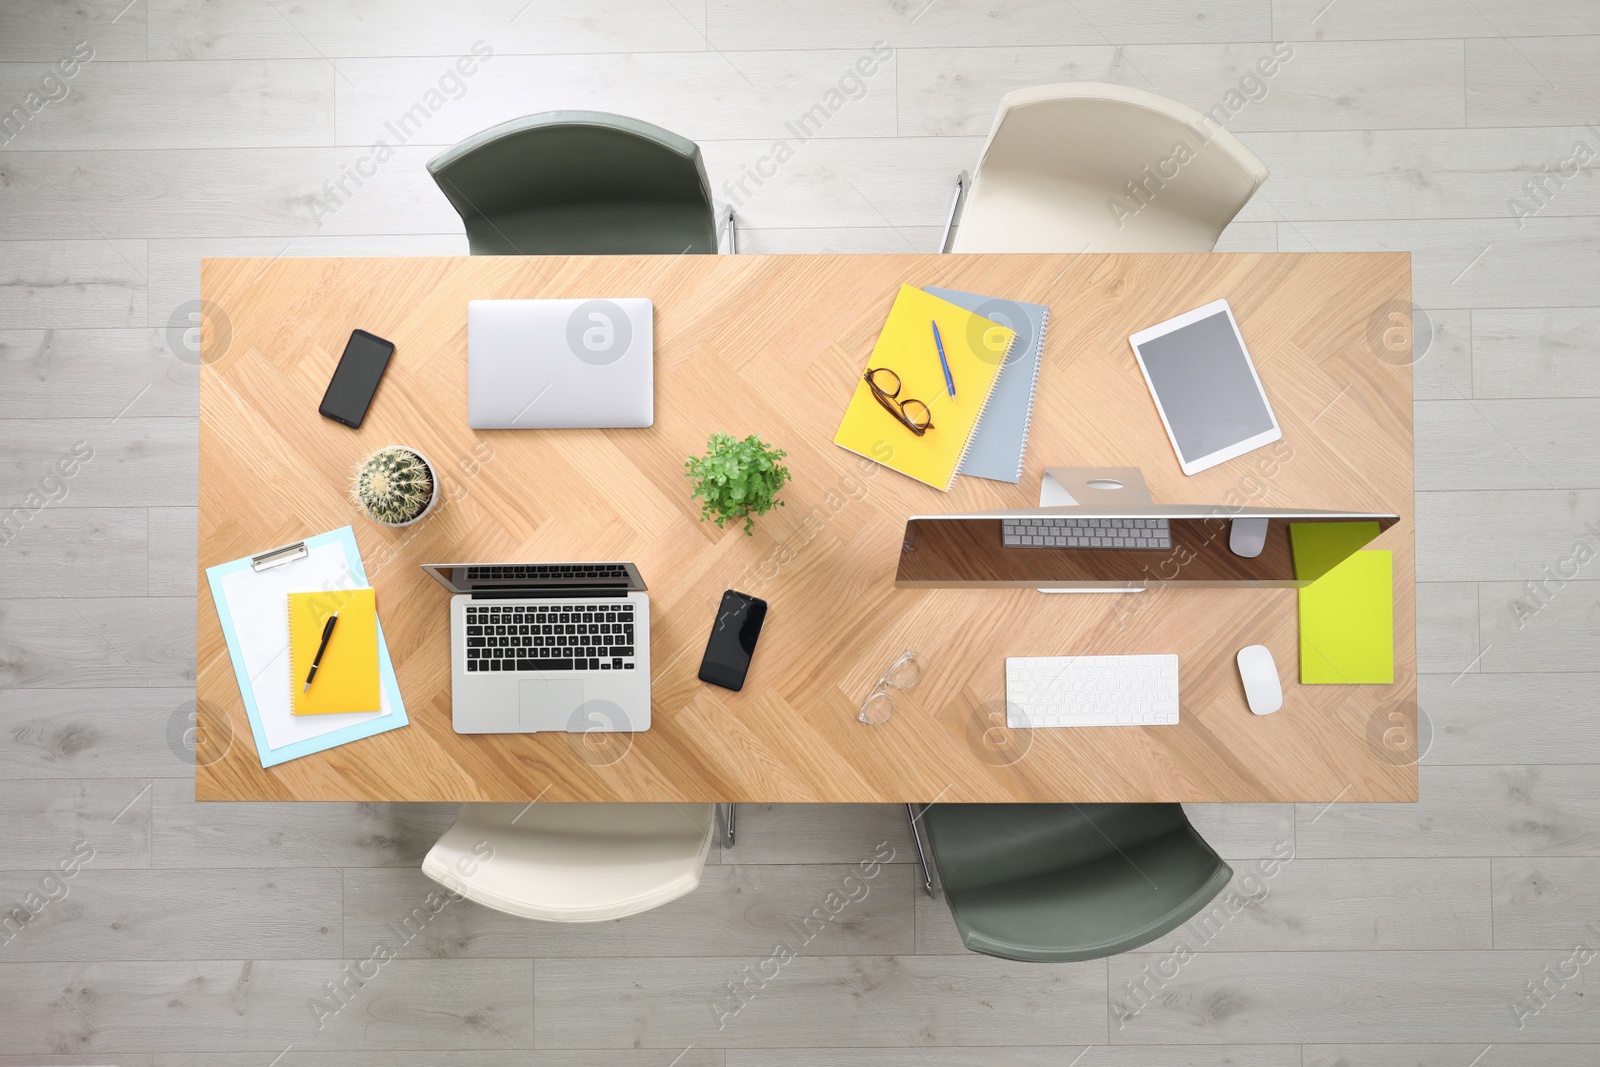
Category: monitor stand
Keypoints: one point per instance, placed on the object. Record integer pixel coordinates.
(1099, 487)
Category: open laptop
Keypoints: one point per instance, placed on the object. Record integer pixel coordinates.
(547, 646)
(560, 364)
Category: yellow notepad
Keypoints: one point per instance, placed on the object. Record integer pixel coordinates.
(975, 347)
(347, 679)
(1347, 623)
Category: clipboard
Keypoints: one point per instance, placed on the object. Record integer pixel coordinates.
(251, 597)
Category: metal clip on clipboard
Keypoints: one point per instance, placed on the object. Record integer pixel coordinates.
(278, 556)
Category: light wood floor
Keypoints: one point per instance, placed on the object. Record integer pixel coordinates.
(1398, 934)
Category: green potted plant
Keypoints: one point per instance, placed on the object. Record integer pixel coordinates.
(395, 486)
(737, 479)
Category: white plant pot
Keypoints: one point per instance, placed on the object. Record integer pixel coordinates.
(433, 498)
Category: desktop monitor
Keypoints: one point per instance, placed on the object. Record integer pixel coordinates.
(1129, 545)
(1098, 530)
(971, 550)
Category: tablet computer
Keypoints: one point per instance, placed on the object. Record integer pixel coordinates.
(1205, 387)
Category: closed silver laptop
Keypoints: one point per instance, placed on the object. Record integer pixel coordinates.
(560, 364)
(547, 646)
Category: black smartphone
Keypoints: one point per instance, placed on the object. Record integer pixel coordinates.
(356, 378)
(733, 640)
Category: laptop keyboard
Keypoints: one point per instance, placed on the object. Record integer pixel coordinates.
(589, 636)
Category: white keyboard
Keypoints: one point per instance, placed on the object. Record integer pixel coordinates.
(1051, 532)
(1092, 691)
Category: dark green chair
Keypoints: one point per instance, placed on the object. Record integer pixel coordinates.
(580, 183)
(1062, 882)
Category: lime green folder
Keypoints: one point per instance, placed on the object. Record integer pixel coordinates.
(1319, 546)
(1347, 623)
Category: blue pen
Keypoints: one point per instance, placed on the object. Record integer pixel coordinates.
(949, 382)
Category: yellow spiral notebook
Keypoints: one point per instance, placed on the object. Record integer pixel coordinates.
(976, 349)
(347, 679)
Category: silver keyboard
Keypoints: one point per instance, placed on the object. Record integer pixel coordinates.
(1092, 691)
(1041, 532)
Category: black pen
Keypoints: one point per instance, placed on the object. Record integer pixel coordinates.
(327, 632)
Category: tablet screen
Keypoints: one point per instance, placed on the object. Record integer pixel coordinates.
(1202, 379)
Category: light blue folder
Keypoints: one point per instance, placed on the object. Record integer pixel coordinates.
(329, 561)
(1000, 440)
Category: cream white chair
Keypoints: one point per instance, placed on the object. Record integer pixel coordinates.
(1102, 168)
(573, 863)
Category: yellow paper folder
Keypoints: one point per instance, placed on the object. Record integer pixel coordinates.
(976, 349)
(1320, 546)
(347, 679)
(1347, 623)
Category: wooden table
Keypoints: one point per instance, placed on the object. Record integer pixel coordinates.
(773, 345)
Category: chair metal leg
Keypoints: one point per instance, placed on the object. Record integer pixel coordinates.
(955, 207)
(727, 824)
(732, 227)
(922, 852)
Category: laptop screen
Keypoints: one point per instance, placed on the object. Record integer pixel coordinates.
(508, 577)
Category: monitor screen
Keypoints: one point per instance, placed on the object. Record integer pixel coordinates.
(1148, 548)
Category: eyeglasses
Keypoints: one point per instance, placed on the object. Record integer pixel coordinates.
(903, 673)
(885, 385)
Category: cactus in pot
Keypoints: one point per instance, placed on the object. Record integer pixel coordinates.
(395, 486)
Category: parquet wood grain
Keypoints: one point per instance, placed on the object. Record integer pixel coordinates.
(772, 345)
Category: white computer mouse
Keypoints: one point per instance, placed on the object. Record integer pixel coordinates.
(1247, 537)
(1259, 673)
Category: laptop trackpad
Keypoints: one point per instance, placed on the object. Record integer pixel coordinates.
(547, 705)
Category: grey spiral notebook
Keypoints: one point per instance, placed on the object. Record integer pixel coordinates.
(1000, 440)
